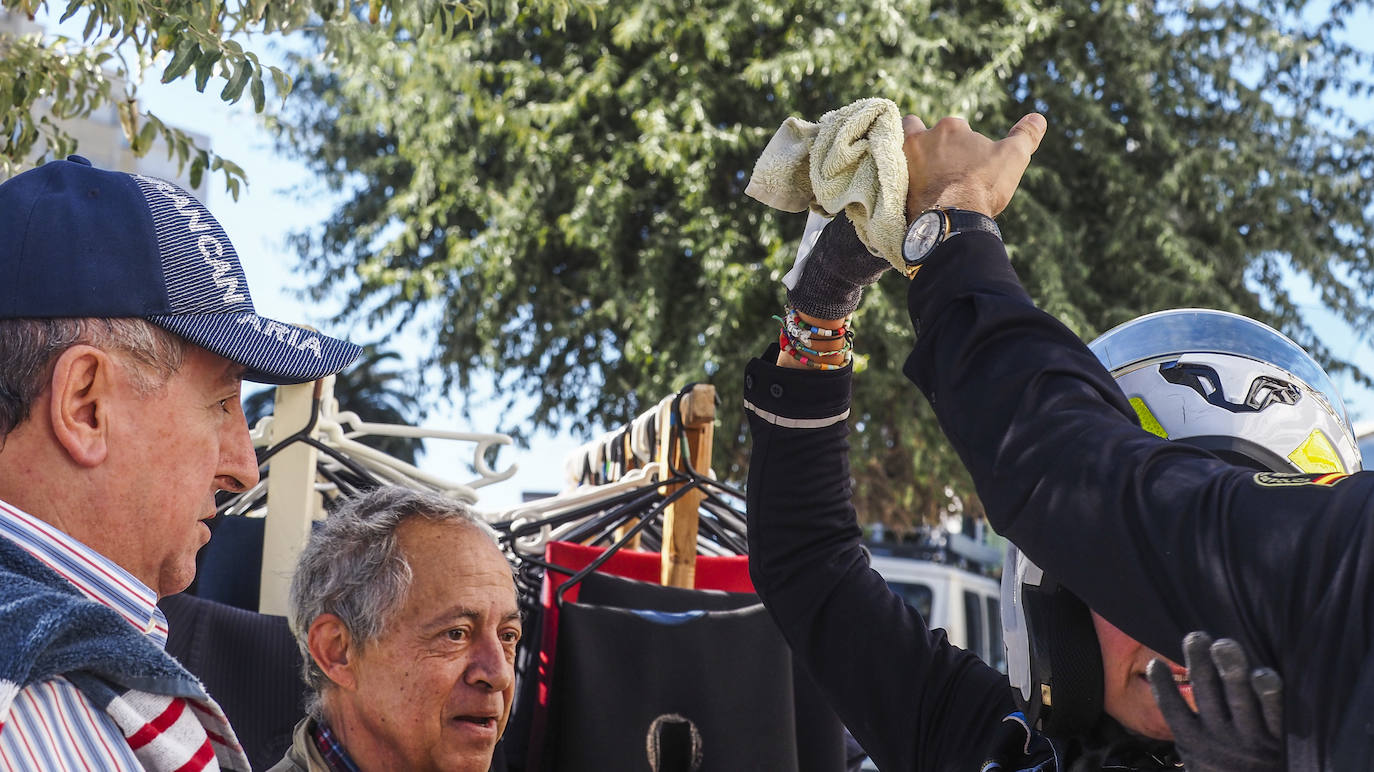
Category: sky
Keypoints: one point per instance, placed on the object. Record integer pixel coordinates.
(268, 210)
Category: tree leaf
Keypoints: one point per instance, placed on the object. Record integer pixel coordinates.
(233, 88)
(205, 67)
(186, 54)
(197, 171)
(146, 136)
(281, 80)
(72, 7)
(259, 93)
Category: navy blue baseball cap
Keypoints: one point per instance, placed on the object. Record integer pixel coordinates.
(76, 241)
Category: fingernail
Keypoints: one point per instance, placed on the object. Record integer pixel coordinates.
(1228, 655)
(1266, 680)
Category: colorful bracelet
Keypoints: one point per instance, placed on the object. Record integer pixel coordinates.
(797, 329)
(810, 330)
(786, 345)
(848, 345)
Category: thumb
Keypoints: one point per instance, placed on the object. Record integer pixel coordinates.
(1027, 133)
(912, 125)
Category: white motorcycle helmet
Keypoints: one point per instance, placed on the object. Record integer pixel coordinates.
(1221, 381)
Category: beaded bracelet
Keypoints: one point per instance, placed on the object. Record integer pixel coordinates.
(797, 329)
(786, 345)
(807, 330)
(848, 345)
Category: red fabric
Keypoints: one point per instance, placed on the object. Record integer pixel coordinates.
(729, 573)
(200, 760)
(158, 725)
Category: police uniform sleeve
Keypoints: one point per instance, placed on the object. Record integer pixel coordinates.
(913, 701)
(1160, 538)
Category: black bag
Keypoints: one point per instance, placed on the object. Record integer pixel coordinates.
(819, 732)
(696, 691)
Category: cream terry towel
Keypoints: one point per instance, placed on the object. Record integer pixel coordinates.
(851, 160)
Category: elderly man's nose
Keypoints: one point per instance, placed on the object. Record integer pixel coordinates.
(490, 666)
(238, 462)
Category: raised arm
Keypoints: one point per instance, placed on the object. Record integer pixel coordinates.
(913, 701)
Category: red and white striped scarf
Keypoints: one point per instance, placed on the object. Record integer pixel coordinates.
(175, 733)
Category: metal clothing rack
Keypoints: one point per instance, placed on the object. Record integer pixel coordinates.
(310, 453)
(660, 464)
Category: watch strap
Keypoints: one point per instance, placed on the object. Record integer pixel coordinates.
(964, 221)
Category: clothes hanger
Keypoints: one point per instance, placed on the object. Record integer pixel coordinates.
(335, 433)
(541, 513)
(529, 536)
(644, 521)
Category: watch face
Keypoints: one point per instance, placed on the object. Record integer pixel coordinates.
(922, 236)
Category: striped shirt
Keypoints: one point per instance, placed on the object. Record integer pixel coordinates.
(51, 725)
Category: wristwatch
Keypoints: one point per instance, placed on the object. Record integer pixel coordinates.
(933, 226)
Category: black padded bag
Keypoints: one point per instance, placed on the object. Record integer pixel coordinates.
(820, 734)
(702, 691)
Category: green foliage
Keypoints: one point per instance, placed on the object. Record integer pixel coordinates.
(41, 74)
(571, 200)
(33, 69)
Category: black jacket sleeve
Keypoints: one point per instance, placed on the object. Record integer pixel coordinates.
(913, 700)
(1160, 538)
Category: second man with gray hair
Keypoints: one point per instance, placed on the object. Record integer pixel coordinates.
(406, 615)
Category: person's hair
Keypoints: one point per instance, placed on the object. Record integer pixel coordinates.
(29, 347)
(353, 568)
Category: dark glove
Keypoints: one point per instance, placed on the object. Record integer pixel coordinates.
(835, 273)
(1238, 726)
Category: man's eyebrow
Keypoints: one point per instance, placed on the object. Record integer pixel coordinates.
(451, 614)
(234, 372)
(462, 612)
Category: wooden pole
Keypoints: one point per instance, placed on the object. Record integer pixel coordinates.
(292, 501)
(697, 418)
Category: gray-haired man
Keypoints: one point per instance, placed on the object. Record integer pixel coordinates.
(406, 615)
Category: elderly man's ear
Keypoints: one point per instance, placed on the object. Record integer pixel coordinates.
(332, 648)
(79, 397)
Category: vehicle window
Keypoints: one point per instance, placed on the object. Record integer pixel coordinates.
(916, 595)
(997, 651)
(973, 619)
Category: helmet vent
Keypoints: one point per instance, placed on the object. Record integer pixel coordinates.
(1264, 390)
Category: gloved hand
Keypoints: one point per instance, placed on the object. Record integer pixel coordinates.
(828, 282)
(1238, 726)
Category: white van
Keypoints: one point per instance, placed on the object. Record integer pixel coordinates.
(963, 603)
